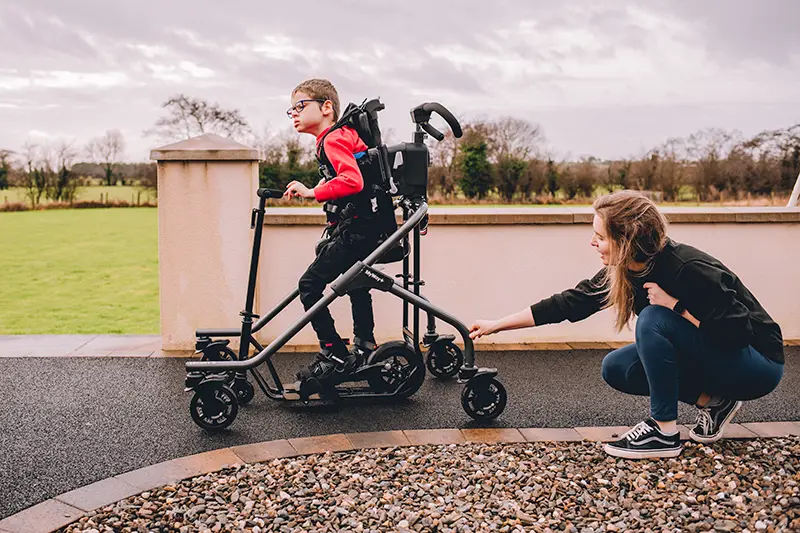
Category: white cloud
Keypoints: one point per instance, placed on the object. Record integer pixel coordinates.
(196, 70)
(601, 77)
(61, 79)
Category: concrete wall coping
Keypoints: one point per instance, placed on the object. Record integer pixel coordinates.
(474, 215)
(206, 147)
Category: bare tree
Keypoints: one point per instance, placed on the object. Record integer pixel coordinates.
(107, 151)
(32, 177)
(643, 171)
(513, 138)
(618, 174)
(189, 117)
(763, 160)
(586, 173)
(512, 142)
(445, 171)
(709, 148)
(784, 146)
(671, 168)
(534, 181)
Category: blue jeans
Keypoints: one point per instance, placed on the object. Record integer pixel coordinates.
(670, 362)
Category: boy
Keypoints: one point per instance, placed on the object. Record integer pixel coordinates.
(351, 234)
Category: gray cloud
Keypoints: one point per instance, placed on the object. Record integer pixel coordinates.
(550, 63)
(734, 31)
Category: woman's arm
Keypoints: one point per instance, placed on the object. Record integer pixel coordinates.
(521, 319)
(688, 316)
(587, 298)
(712, 297)
(658, 296)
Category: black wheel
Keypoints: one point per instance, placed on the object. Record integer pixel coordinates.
(244, 390)
(401, 364)
(484, 399)
(214, 406)
(444, 360)
(222, 354)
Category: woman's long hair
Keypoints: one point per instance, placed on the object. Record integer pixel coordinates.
(637, 231)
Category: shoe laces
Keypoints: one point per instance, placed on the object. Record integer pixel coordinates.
(704, 420)
(642, 428)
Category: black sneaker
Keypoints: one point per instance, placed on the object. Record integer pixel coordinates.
(711, 421)
(325, 371)
(361, 350)
(645, 441)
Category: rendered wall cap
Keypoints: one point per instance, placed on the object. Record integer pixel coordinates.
(206, 147)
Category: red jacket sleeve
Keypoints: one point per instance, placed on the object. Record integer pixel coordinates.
(340, 145)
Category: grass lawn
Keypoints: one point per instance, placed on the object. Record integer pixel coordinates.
(79, 271)
(120, 193)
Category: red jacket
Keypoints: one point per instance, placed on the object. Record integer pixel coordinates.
(340, 146)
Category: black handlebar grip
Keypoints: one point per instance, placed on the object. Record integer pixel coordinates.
(270, 193)
(445, 114)
(433, 132)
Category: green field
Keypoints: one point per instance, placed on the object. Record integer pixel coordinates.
(79, 271)
(120, 193)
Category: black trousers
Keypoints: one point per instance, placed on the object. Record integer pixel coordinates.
(352, 242)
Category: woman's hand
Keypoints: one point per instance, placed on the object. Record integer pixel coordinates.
(657, 296)
(296, 188)
(482, 327)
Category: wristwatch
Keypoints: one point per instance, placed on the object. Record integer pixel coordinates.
(679, 307)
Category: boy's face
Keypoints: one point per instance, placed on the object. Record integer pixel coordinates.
(310, 115)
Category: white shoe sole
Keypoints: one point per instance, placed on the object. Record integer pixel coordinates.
(644, 454)
(708, 440)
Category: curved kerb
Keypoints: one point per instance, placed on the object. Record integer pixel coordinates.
(66, 508)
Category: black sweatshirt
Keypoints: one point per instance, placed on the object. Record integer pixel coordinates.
(730, 316)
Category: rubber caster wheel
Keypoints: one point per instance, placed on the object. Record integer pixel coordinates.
(484, 399)
(214, 406)
(403, 369)
(444, 360)
(244, 390)
(223, 353)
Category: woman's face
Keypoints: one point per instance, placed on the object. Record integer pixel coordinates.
(600, 240)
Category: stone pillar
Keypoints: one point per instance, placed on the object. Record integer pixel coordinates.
(206, 191)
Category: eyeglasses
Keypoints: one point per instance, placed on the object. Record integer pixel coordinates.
(301, 104)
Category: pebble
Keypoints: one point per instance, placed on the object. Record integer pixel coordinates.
(734, 485)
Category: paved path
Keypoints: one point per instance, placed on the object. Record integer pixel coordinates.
(69, 421)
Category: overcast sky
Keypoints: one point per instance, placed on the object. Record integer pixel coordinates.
(610, 79)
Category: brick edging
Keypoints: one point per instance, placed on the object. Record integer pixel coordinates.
(66, 508)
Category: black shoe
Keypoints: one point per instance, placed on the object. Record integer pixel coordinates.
(322, 374)
(711, 421)
(361, 350)
(645, 441)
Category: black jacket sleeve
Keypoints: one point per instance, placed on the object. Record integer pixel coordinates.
(583, 301)
(711, 297)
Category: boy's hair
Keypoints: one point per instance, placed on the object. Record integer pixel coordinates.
(322, 89)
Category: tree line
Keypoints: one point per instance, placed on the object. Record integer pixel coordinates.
(503, 159)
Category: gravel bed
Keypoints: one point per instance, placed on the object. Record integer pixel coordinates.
(728, 486)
